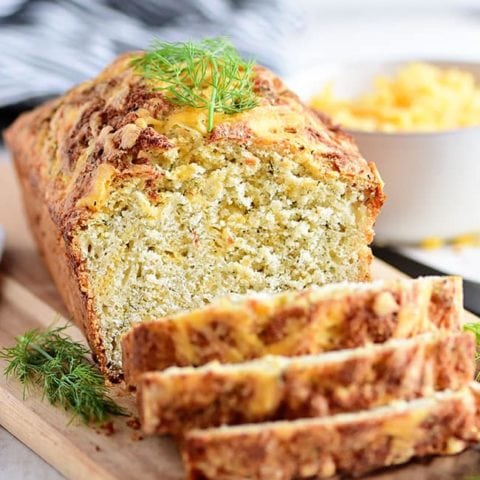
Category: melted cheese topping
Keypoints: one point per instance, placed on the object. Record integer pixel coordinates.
(100, 188)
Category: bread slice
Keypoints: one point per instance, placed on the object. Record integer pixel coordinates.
(352, 443)
(180, 399)
(141, 212)
(315, 320)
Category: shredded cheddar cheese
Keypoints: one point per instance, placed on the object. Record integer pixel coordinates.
(432, 243)
(420, 98)
(461, 241)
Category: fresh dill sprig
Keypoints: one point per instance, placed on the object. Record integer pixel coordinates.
(60, 366)
(209, 74)
(475, 328)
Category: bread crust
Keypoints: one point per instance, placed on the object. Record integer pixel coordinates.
(294, 323)
(65, 149)
(54, 244)
(353, 443)
(181, 399)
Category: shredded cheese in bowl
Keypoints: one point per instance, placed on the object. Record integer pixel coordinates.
(420, 98)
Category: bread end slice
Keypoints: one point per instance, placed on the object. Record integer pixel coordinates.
(352, 443)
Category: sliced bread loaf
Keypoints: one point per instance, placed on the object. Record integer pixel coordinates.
(141, 211)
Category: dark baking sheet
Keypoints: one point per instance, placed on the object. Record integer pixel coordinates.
(414, 269)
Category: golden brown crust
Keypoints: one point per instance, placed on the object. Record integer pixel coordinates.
(352, 443)
(53, 243)
(97, 133)
(294, 323)
(183, 399)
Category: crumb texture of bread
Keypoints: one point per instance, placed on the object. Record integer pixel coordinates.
(180, 399)
(311, 321)
(352, 443)
(156, 215)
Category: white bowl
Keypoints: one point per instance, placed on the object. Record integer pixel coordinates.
(432, 180)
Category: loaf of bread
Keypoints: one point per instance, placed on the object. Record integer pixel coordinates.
(311, 321)
(352, 443)
(141, 212)
(180, 399)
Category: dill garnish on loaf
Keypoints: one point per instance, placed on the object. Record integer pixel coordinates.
(209, 74)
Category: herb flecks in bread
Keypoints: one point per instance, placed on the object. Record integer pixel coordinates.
(141, 212)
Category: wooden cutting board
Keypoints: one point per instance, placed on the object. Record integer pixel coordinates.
(28, 299)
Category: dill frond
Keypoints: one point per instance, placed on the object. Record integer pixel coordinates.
(60, 366)
(475, 328)
(208, 75)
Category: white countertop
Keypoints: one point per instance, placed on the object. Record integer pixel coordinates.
(332, 34)
(18, 462)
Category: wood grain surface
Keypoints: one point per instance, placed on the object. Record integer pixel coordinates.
(28, 299)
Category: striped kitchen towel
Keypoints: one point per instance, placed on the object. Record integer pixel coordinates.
(49, 45)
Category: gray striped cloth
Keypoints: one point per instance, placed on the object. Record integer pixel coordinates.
(49, 45)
